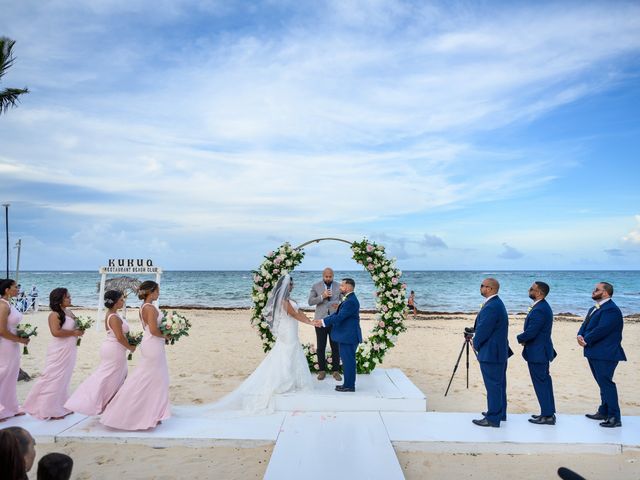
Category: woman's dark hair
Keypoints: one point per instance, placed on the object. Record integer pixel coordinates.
(55, 466)
(12, 463)
(5, 285)
(23, 436)
(56, 297)
(111, 297)
(147, 288)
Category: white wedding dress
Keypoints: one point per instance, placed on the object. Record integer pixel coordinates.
(284, 369)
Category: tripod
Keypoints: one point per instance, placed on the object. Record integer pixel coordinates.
(465, 345)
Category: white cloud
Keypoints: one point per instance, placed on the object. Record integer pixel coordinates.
(343, 114)
(634, 235)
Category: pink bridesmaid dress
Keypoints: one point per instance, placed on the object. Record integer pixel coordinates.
(93, 395)
(143, 400)
(9, 367)
(47, 397)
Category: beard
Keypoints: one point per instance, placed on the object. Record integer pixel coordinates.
(532, 297)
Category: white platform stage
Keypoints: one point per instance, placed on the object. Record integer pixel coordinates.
(384, 390)
(359, 430)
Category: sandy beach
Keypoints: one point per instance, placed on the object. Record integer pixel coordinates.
(207, 365)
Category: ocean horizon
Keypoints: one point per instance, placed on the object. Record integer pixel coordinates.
(445, 291)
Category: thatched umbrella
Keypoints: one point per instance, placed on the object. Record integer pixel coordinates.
(124, 284)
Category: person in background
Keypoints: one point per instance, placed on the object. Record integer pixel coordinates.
(12, 465)
(55, 466)
(411, 303)
(93, 395)
(492, 346)
(47, 397)
(26, 443)
(538, 351)
(34, 298)
(601, 338)
(325, 295)
(10, 343)
(143, 400)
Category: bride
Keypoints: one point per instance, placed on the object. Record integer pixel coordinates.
(285, 368)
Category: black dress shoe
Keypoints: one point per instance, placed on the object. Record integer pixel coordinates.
(596, 416)
(485, 423)
(342, 388)
(543, 420)
(535, 416)
(611, 422)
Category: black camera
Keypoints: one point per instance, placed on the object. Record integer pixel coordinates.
(469, 331)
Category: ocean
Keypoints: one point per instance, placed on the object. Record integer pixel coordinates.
(436, 291)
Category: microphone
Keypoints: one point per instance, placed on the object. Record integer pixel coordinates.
(567, 474)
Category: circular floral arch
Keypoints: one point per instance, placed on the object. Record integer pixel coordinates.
(390, 293)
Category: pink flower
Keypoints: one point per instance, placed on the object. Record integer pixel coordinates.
(266, 285)
(370, 266)
(394, 280)
(277, 261)
(316, 366)
(404, 286)
(369, 259)
(256, 278)
(381, 324)
(369, 248)
(276, 270)
(385, 308)
(270, 254)
(260, 289)
(394, 292)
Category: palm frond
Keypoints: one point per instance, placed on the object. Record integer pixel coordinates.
(10, 98)
(6, 55)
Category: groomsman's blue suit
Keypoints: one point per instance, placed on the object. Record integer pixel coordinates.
(492, 345)
(602, 331)
(346, 332)
(538, 352)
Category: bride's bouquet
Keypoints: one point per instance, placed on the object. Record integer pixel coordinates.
(26, 330)
(83, 323)
(134, 339)
(174, 326)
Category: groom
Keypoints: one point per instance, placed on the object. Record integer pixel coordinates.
(345, 330)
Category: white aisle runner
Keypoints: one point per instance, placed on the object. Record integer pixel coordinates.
(342, 445)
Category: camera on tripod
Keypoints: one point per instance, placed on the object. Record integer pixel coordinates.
(468, 332)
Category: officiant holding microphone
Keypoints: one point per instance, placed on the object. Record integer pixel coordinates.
(325, 296)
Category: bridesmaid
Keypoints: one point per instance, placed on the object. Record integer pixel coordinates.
(9, 351)
(92, 396)
(143, 400)
(47, 397)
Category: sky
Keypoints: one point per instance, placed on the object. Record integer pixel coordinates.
(202, 134)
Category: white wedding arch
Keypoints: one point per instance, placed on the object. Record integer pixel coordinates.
(391, 303)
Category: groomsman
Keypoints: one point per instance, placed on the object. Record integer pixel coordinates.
(538, 351)
(601, 337)
(325, 295)
(492, 347)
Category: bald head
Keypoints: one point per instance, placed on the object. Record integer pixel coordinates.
(489, 286)
(327, 275)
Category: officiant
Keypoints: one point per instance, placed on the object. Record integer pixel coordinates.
(325, 296)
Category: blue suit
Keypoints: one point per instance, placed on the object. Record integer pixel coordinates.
(602, 331)
(345, 330)
(538, 352)
(492, 345)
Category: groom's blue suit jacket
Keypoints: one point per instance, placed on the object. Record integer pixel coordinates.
(345, 323)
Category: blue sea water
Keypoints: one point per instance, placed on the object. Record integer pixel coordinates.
(441, 291)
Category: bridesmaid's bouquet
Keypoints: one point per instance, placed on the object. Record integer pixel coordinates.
(174, 326)
(83, 323)
(134, 339)
(26, 330)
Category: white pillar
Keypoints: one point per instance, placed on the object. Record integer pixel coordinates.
(99, 323)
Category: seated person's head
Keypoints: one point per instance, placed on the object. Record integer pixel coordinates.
(11, 460)
(55, 466)
(26, 443)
